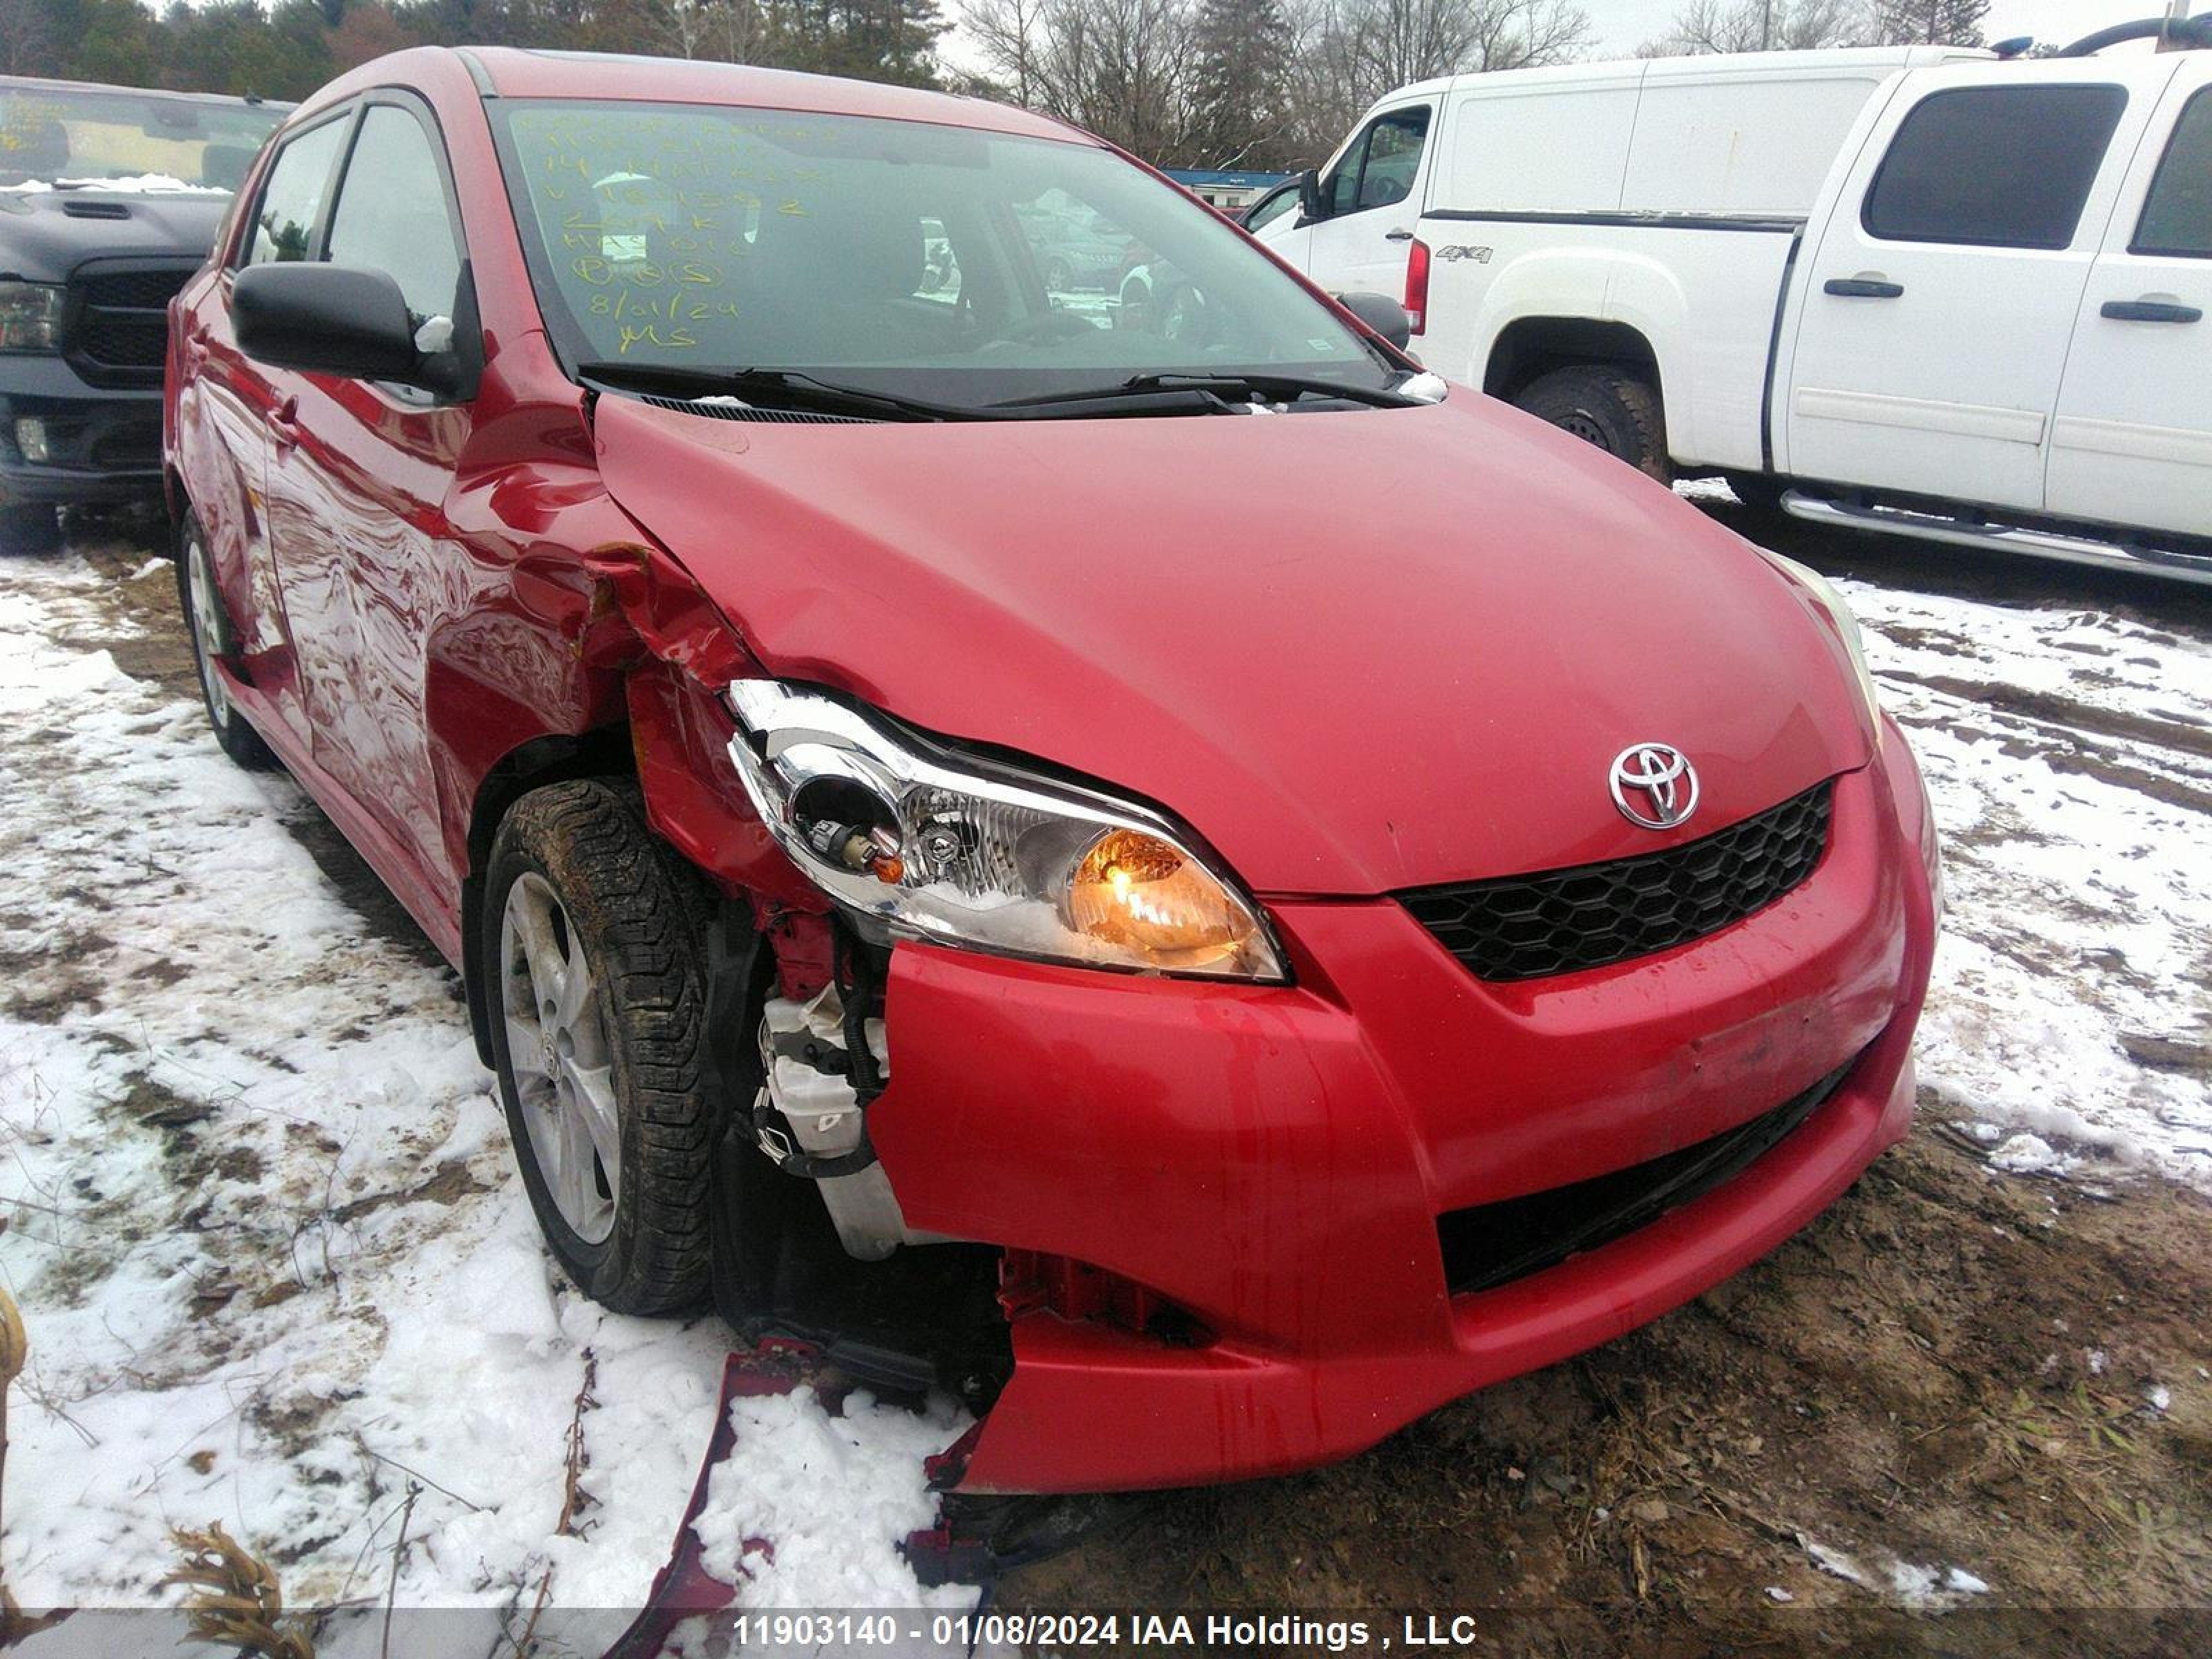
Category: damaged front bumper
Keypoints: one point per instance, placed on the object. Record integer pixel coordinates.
(1279, 1167)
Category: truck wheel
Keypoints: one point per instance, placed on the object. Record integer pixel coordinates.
(1612, 408)
(29, 530)
(591, 970)
(213, 642)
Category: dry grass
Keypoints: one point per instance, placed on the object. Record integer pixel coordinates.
(235, 1598)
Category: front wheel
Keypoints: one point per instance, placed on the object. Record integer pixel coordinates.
(591, 975)
(1612, 408)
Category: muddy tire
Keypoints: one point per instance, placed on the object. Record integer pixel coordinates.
(1612, 408)
(26, 530)
(207, 621)
(591, 964)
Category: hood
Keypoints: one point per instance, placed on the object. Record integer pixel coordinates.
(1356, 651)
(45, 233)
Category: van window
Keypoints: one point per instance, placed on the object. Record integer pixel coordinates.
(1557, 150)
(1378, 169)
(1994, 167)
(2177, 217)
(1270, 207)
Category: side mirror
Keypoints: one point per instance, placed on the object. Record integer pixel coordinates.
(328, 319)
(1312, 205)
(1381, 313)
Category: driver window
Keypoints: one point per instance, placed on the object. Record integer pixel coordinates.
(1394, 155)
(391, 216)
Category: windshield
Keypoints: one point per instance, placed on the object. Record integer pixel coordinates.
(915, 260)
(66, 136)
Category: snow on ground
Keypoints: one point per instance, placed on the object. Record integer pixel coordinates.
(2069, 754)
(259, 1208)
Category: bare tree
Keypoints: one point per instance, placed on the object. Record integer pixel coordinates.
(1715, 25)
(1131, 69)
(1931, 22)
(1005, 32)
(1349, 52)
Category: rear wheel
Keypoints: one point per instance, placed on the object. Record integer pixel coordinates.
(213, 643)
(1612, 408)
(29, 530)
(591, 964)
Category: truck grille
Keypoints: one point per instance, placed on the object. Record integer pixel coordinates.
(119, 324)
(1560, 921)
(1493, 1244)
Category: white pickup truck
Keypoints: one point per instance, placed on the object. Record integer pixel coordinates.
(1986, 323)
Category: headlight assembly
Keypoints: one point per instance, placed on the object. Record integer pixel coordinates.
(970, 851)
(1846, 625)
(30, 317)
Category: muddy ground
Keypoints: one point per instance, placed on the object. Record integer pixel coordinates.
(1954, 1367)
(1967, 1411)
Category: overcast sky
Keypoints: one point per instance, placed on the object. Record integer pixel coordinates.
(1622, 25)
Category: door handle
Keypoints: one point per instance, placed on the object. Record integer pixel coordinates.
(282, 426)
(1397, 235)
(1861, 287)
(2149, 311)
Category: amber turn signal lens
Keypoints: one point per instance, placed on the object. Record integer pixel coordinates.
(1140, 892)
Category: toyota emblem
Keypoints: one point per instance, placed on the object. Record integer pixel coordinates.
(1653, 785)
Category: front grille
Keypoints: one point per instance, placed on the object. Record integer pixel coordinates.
(1492, 1245)
(141, 290)
(1561, 921)
(119, 325)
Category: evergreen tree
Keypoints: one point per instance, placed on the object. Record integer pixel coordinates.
(1242, 60)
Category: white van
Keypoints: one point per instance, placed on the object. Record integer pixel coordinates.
(1751, 135)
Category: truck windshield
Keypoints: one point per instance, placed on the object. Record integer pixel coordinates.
(94, 138)
(915, 260)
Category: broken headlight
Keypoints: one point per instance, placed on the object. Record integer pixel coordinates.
(967, 851)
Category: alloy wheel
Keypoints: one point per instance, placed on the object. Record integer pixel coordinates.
(558, 1053)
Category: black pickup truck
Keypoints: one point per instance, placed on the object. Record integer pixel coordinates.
(109, 198)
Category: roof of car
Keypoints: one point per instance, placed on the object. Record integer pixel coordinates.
(19, 82)
(526, 72)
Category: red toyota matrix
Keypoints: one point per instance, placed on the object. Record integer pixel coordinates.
(1104, 844)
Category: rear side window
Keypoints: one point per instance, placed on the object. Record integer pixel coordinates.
(2177, 216)
(1994, 167)
(292, 199)
(391, 216)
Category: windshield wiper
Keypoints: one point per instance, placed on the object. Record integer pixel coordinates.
(787, 387)
(1258, 386)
